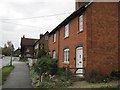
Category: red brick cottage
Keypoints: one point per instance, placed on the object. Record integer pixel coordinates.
(88, 38)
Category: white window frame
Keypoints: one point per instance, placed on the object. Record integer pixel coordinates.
(54, 54)
(54, 37)
(66, 31)
(36, 46)
(80, 23)
(66, 56)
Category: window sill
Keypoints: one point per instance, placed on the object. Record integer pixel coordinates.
(66, 63)
(79, 32)
(66, 37)
(54, 42)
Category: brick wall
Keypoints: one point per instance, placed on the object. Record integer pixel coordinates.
(44, 41)
(71, 42)
(102, 38)
(119, 35)
(53, 45)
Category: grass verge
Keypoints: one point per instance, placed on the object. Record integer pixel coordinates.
(5, 72)
(0, 76)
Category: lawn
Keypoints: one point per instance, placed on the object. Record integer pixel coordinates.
(5, 72)
(0, 76)
(84, 84)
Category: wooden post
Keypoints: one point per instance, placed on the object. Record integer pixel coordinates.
(67, 72)
(41, 78)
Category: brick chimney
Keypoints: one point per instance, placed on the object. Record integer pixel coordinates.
(77, 4)
(41, 35)
(23, 36)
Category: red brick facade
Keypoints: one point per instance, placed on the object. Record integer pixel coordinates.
(102, 37)
(99, 39)
(119, 36)
(53, 45)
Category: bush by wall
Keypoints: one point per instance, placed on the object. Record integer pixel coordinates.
(115, 74)
(46, 65)
(41, 53)
(96, 77)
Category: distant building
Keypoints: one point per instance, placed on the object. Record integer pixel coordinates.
(41, 43)
(27, 47)
(17, 52)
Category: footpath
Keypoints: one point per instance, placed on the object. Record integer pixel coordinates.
(19, 77)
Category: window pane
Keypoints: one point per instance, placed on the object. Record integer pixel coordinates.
(66, 31)
(54, 54)
(66, 56)
(54, 37)
(81, 23)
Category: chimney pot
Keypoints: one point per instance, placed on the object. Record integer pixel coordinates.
(23, 36)
(41, 35)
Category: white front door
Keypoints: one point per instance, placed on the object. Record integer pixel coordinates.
(79, 61)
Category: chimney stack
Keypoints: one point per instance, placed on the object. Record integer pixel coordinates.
(23, 36)
(77, 4)
(41, 35)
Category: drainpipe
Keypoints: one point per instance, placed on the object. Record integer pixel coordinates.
(58, 45)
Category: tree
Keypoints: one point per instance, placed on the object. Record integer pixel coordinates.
(46, 65)
(8, 48)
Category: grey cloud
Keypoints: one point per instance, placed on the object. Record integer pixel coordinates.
(32, 8)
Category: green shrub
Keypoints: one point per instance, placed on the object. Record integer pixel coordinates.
(41, 53)
(61, 72)
(115, 74)
(96, 77)
(55, 84)
(46, 64)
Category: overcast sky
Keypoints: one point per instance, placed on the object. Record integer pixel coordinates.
(31, 17)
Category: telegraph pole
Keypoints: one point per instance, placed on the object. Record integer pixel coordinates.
(11, 58)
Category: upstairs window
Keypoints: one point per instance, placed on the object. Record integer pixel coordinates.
(54, 54)
(46, 37)
(54, 37)
(41, 46)
(81, 23)
(66, 56)
(66, 31)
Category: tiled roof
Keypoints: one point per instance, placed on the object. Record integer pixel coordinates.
(73, 15)
(40, 38)
(28, 41)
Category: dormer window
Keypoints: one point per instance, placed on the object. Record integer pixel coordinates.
(66, 31)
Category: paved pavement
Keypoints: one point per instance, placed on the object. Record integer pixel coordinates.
(19, 77)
